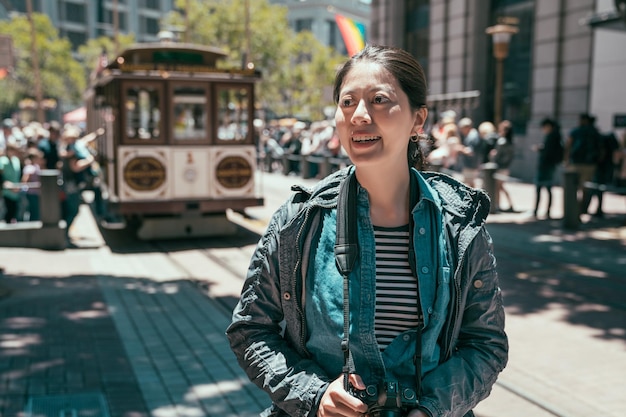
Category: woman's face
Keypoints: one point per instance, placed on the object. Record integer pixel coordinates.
(374, 119)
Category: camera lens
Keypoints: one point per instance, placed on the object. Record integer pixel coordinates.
(408, 394)
(371, 391)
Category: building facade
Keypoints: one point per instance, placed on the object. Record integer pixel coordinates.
(81, 20)
(320, 17)
(558, 64)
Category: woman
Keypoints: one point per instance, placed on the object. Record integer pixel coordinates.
(287, 328)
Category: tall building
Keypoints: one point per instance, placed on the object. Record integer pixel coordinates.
(336, 23)
(80, 20)
(561, 62)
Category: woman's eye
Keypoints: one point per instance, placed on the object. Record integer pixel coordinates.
(346, 102)
(380, 99)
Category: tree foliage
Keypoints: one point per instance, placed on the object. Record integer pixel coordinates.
(61, 76)
(90, 53)
(296, 68)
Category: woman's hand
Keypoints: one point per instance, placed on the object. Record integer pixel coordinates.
(337, 402)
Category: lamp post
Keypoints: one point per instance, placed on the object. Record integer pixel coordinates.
(501, 35)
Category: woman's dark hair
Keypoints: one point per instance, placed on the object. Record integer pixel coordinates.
(407, 71)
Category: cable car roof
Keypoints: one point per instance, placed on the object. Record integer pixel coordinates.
(169, 53)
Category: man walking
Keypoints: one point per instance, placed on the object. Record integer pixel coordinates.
(582, 151)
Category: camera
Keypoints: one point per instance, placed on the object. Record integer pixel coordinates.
(387, 399)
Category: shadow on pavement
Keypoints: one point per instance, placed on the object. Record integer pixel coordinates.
(542, 265)
(85, 334)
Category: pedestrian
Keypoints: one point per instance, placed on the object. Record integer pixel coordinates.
(605, 168)
(76, 161)
(422, 302)
(502, 154)
(10, 175)
(489, 137)
(472, 154)
(550, 155)
(445, 152)
(31, 177)
(620, 162)
(50, 146)
(582, 152)
(7, 134)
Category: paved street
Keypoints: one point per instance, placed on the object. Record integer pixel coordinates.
(127, 330)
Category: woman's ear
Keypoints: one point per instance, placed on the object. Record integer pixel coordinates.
(420, 118)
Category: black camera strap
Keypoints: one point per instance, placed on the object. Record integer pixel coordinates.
(346, 254)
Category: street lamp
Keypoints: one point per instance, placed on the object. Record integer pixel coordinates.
(501, 35)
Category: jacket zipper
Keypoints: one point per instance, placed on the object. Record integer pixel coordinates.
(299, 301)
(457, 297)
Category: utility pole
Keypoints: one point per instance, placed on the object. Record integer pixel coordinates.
(35, 59)
(116, 28)
(247, 23)
(187, 21)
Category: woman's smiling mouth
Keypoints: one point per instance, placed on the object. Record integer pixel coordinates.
(361, 139)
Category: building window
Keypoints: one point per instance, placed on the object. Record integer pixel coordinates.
(76, 38)
(74, 13)
(20, 6)
(151, 4)
(121, 18)
(150, 26)
(334, 40)
(304, 24)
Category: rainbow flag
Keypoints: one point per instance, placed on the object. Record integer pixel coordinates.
(353, 33)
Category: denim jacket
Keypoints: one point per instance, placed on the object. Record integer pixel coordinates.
(268, 333)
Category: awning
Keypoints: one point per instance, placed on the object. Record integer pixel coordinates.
(75, 116)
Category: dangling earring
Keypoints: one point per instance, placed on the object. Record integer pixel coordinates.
(414, 138)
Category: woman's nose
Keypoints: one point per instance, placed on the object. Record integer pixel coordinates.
(361, 114)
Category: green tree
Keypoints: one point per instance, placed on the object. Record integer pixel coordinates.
(90, 53)
(62, 77)
(275, 50)
(308, 85)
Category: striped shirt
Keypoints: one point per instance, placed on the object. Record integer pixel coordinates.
(396, 287)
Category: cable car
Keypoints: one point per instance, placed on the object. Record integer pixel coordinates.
(179, 144)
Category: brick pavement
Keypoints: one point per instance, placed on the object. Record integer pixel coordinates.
(150, 346)
(57, 338)
(157, 344)
(144, 344)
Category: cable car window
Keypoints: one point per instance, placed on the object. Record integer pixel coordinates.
(234, 105)
(143, 112)
(190, 109)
